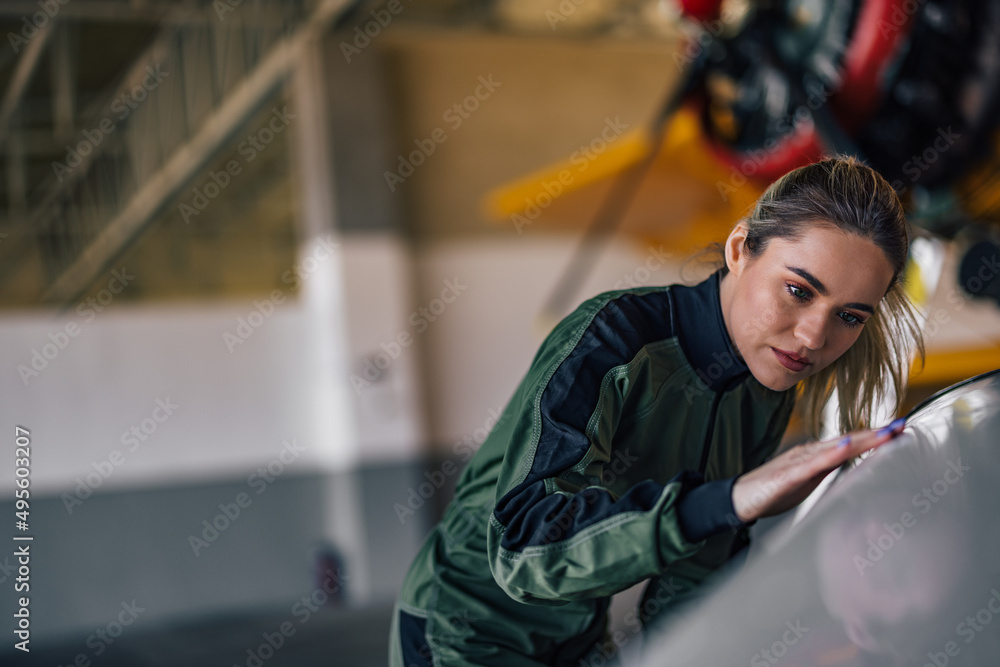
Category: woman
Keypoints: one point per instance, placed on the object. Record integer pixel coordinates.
(637, 445)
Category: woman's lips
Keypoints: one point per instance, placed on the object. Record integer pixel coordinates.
(786, 360)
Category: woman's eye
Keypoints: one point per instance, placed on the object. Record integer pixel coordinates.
(796, 291)
(851, 320)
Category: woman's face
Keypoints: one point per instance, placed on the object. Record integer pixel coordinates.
(795, 308)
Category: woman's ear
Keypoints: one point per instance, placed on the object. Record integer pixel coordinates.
(733, 249)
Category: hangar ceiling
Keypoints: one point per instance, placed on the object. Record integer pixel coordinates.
(114, 112)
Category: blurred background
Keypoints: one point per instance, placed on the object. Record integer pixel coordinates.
(269, 271)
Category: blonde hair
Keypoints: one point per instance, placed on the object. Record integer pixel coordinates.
(844, 193)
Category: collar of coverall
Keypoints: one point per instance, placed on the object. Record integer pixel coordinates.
(702, 333)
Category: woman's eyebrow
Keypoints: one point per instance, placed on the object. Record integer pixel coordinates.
(810, 278)
(861, 306)
(821, 288)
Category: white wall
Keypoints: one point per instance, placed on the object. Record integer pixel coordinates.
(383, 372)
(234, 409)
(236, 401)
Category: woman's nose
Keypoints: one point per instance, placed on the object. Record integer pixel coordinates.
(811, 331)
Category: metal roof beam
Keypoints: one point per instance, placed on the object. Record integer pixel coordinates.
(191, 157)
(23, 72)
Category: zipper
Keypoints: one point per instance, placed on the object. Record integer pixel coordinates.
(711, 423)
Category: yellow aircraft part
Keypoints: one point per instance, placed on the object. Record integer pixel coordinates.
(711, 197)
(945, 368)
(913, 284)
(514, 197)
(979, 190)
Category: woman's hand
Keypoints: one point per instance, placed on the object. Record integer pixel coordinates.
(787, 479)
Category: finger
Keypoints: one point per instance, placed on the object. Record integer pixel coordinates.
(834, 453)
(866, 438)
(858, 443)
(886, 433)
(819, 458)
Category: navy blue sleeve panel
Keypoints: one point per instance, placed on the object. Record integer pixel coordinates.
(413, 636)
(615, 335)
(707, 510)
(534, 518)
